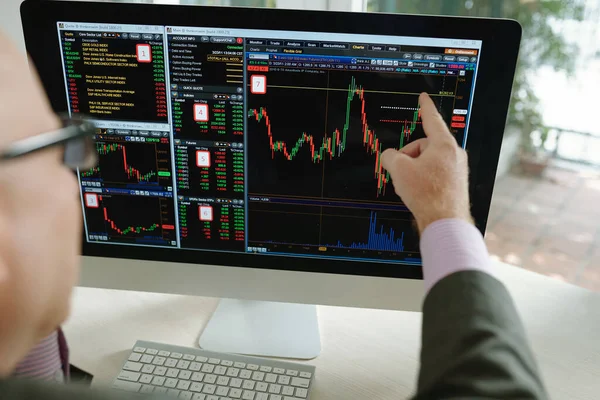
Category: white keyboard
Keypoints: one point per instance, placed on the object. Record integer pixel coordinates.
(195, 374)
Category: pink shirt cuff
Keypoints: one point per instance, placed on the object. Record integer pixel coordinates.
(449, 246)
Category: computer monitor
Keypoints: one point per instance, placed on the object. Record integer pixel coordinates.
(239, 150)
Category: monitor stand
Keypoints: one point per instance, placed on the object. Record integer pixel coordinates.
(263, 328)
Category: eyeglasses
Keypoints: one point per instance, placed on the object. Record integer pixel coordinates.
(76, 136)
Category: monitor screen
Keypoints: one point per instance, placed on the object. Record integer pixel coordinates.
(256, 141)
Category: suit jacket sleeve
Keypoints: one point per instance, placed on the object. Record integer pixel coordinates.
(474, 344)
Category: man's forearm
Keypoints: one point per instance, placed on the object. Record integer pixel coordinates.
(473, 342)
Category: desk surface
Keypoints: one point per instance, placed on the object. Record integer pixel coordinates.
(367, 354)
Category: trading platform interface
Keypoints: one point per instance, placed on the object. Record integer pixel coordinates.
(256, 141)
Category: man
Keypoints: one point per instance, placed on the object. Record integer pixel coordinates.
(473, 342)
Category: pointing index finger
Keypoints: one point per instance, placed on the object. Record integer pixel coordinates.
(433, 124)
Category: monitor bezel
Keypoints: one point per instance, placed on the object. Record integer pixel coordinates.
(497, 64)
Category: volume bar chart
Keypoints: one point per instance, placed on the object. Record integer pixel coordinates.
(382, 241)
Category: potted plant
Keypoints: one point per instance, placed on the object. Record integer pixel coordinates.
(533, 156)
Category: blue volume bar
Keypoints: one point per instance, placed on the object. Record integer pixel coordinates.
(381, 241)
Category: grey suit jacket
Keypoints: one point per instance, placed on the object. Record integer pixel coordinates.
(474, 347)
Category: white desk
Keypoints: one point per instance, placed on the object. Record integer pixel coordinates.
(367, 354)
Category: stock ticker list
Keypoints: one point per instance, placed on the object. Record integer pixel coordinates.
(116, 76)
(206, 89)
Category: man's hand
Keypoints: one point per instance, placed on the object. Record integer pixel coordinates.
(431, 175)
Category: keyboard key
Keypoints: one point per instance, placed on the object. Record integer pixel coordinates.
(160, 390)
(148, 369)
(233, 372)
(235, 393)
(173, 373)
(291, 372)
(127, 386)
(135, 357)
(264, 368)
(252, 367)
(199, 396)
(306, 375)
(220, 370)
(158, 381)
(223, 381)
(291, 398)
(261, 396)
(146, 378)
(227, 363)
(215, 361)
(182, 364)
(132, 366)
(164, 353)
(248, 395)
(209, 389)
(212, 397)
(195, 366)
(287, 391)
(300, 382)
(258, 376)
(197, 376)
(275, 397)
(302, 393)
(183, 385)
(201, 359)
(147, 389)
(236, 383)
(129, 376)
(279, 370)
(176, 355)
(189, 357)
(139, 349)
(173, 393)
(147, 358)
(208, 368)
(196, 387)
(185, 374)
(210, 379)
(185, 395)
(171, 382)
(283, 380)
(271, 378)
(239, 365)
(160, 371)
(275, 389)
(261, 387)
(152, 352)
(159, 361)
(249, 385)
(245, 374)
(171, 362)
(222, 391)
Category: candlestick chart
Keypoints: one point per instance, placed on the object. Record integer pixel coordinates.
(324, 139)
(129, 162)
(317, 138)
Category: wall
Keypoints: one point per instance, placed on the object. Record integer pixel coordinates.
(10, 21)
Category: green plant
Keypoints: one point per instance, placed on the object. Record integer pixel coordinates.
(542, 44)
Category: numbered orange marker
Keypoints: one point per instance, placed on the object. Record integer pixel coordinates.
(91, 200)
(144, 53)
(205, 213)
(203, 158)
(201, 112)
(258, 84)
